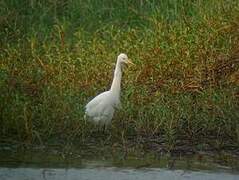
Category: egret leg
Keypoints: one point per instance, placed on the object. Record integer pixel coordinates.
(107, 133)
(108, 138)
(104, 129)
(99, 129)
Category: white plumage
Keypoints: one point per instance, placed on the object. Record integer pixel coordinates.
(101, 109)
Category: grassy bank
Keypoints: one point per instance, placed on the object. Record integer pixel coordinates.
(57, 55)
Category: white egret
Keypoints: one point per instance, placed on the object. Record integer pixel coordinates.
(100, 110)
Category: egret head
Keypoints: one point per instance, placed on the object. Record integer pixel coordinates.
(123, 58)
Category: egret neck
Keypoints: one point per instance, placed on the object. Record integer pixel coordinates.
(115, 87)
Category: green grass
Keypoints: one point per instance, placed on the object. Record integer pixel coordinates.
(57, 55)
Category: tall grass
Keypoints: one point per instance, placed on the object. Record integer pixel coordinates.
(57, 55)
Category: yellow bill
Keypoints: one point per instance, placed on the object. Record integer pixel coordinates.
(129, 62)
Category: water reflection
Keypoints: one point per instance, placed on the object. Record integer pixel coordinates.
(109, 173)
(88, 165)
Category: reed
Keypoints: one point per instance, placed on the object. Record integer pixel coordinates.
(56, 55)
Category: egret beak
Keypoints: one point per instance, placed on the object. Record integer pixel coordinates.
(128, 61)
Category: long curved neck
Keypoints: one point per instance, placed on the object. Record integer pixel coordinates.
(116, 84)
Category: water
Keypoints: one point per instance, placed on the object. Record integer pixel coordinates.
(43, 164)
(109, 173)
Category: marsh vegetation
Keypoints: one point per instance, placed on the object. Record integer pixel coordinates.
(57, 55)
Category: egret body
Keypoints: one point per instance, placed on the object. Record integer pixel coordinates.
(100, 110)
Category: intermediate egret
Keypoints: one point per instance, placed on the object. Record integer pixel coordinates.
(100, 110)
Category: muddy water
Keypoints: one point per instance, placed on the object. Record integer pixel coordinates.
(109, 173)
(98, 164)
